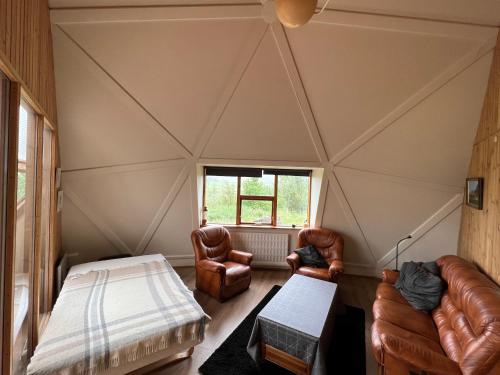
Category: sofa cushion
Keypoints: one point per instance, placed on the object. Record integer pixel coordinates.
(405, 317)
(471, 292)
(381, 327)
(387, 291)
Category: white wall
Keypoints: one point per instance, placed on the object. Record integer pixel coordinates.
(387, 106)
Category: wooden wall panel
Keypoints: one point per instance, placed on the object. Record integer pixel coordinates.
(480, 230)
(26, 58)
(26, 51)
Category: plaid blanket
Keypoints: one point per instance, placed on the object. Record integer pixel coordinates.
(109, 317)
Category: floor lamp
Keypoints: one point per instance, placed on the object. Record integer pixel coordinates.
(397, 248)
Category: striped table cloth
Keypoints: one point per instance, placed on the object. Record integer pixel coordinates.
(108, 317)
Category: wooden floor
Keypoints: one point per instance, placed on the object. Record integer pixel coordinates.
(355, 291)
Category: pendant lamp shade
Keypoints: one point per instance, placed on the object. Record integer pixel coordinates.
(294, 13)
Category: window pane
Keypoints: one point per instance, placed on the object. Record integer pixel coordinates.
(47, 174)
(293, 198)
(24, 238)
(258, 186)
(220, 199)
(256, 212)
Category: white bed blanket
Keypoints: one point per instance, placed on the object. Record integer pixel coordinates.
(112, 313)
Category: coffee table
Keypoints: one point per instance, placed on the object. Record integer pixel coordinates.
(294, 329)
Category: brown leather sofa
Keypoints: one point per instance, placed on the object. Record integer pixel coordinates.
(461, 336)
(220, 271)
(331, 247)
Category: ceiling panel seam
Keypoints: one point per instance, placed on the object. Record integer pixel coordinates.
(97, 221)
(407, 180)
(178, 144)
(122, 166)
(290, 64)
(427, 225)
(163, 209)
(242, 65)
(437, 83)
(341, 197)
(227, 97)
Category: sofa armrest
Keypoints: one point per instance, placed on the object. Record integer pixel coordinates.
(294, 261)
(336, 269)
(418, 356)
(211, 266)
(240, 257)
(390, 276)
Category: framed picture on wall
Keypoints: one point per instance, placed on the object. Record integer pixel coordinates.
(475, 192)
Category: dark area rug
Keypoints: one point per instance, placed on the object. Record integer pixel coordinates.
(346, 354)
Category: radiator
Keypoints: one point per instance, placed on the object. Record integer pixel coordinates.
(267, 248)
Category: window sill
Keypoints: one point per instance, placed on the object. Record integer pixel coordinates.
(250, 226)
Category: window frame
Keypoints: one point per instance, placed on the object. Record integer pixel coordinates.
(269, 198)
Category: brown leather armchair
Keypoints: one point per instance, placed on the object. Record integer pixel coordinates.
(460, 337)
(331, 247)
(220, 271)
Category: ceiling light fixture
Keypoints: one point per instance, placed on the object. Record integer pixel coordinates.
(295, 13)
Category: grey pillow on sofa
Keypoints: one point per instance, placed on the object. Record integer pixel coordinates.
(310, 257)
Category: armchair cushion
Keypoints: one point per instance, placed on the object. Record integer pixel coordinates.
(236, 272)
(310, 257)
(240, 257)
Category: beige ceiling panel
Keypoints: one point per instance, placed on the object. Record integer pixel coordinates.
(81, 238)
(478, 11)
(432, 142)
(263, 120)
(128, 198)
(176, 69)
(98, 124)
(440, 240)
(365, 73)
(355, 249)
(173, 236)
(388, 209)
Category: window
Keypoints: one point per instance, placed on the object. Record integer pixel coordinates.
(254, 196)
(46, 206)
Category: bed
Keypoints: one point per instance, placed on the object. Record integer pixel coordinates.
(117, 317)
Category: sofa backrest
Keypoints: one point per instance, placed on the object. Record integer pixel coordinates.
(468, 319)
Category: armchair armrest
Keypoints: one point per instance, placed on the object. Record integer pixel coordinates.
(294, 261)
(417, 356)
(211, 266)
(240, 257)
(336, 269)
(390, 276)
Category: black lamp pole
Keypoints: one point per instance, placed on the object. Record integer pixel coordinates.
(397, 248)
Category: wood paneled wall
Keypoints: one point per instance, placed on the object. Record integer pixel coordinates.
(480, 230)
(26, 51)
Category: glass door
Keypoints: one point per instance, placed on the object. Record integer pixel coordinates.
(24, 239)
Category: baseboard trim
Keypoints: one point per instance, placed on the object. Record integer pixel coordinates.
(180, 260)
(357, 269)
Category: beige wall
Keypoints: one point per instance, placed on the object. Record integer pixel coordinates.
(387, 106)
